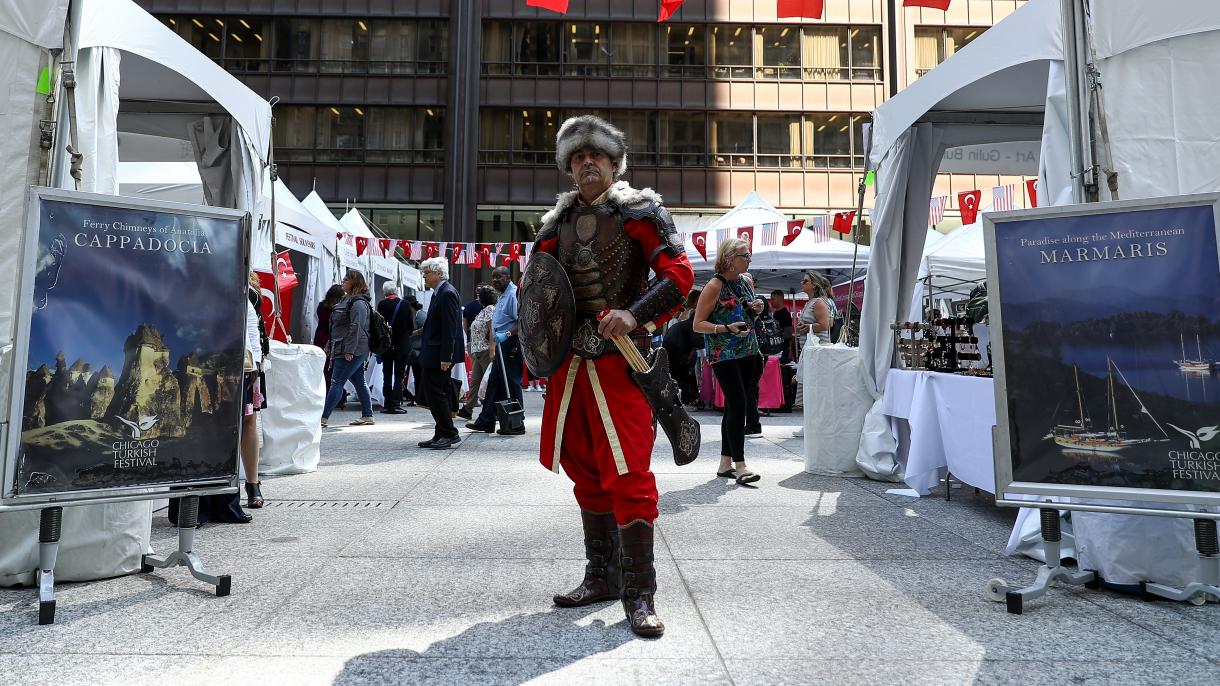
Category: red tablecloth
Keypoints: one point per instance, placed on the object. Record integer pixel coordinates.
(770, 387)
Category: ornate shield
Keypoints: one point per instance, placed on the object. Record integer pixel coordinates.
(546, 314)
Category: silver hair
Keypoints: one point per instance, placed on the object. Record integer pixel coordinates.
(436, 264)
(389, 288)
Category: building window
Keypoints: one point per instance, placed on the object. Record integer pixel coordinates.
(730, 56)
(732, 138)
(294, 133)
(497, 48)
(432, 43)
(402, 135)
(246, 49)
(777, 52)
(388, 131)
(683, 139)
(585, 53)
(641, 131)
(344, 46)
(779, 140)
(685, 51)
(495, 136)
(340, 134)
(393, 48)
(536, 48)
(839, 53)
(834, 140)
(633, 50)
(296, 44)
(534, 136)
(204, 33)
(934, 45)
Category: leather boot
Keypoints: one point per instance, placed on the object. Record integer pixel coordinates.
(601, 582)
(639, 579)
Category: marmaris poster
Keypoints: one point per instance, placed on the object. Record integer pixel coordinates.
(136, 349)
(1111, 330)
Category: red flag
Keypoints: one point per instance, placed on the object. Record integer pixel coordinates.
(746, 233)
(405, 246)
(362, 244)
(560, 6)
(794, 230)
(809, 9)
(385, 245)
(431, 250)
(338, 235)
(931, 4)
(700, 241)
(1033, 192)
(484, 256)
(476, 262)
(843, 221)
(968, 203)
(459, 253)
(514, 253)
(668, 7)
(266, 285)
(284, 272)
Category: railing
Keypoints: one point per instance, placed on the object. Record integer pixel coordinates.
(355, 67)
(683, 71)
(359, 155)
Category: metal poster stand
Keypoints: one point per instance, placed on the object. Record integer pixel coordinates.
(51, 504)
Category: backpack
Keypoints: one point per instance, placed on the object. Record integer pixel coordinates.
(770, 335)
(381, 338)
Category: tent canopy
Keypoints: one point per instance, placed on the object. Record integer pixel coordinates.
(999, 78)
(160, 67)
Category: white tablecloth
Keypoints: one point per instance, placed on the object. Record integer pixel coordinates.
(835, 404)
(950, 418)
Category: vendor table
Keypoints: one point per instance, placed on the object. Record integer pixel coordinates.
(835, 403)
(950, 417)
(770, 387)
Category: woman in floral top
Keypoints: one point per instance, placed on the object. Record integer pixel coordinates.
(482, 352)
(732, 348)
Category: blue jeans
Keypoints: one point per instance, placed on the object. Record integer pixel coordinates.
(345, 370)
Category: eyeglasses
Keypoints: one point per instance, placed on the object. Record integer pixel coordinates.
(748, 257)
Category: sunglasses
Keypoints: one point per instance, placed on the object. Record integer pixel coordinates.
(748, 257)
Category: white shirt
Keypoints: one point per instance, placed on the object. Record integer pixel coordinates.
(253, 342)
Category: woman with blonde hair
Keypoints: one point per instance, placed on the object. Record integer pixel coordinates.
(820, 311)
(732, 348)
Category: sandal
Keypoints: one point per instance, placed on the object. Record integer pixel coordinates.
(727, 474)
(254, 496)
(747, 477)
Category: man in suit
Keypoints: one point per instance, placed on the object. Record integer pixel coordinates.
(441, 347)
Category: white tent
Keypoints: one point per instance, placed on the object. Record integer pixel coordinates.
(133, 75)
(779, 266)
(958, 257)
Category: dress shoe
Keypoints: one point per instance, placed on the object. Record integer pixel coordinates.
(429, 443)
(398, 410)
(518, 432)
(475, 426)
(465, 413)
(445, 442)
(755, 430)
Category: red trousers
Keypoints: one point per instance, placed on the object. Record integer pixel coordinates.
(609, 468)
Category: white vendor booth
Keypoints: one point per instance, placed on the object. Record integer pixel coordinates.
(133, 75)
(1009, 85)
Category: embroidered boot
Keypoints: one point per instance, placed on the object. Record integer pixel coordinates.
(601, 582)
(639, 579)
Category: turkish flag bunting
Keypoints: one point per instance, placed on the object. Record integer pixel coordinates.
(700, 241)
(746, 233)
(560, 6)
(362, 244)
(459, 253)
(968, 203)
(386, 244)
(476, 262)
(338, 235)
(514, 253)
(931, 4)
(431, 250)
(668, 7)
(809, 9)
(405, 247)
(794, 230)
(843, 221)
(1031, 187)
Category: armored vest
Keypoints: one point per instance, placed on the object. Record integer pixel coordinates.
(607, 268)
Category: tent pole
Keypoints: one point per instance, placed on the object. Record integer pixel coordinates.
(273, 175)
(1073, 67)
(855, 239)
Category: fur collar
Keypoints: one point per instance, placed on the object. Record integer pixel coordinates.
(621, 193)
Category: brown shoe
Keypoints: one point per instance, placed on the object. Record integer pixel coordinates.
(601, 582)
(639, 579)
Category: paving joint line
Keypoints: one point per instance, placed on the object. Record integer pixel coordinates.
(698, 612)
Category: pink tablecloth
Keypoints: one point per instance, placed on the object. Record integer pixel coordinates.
(770, 387)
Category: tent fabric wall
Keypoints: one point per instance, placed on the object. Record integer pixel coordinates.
(97, 108)
(1123, 25)
(904, 192)
(36, 22)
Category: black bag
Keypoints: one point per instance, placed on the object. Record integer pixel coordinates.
(509, 412)
(770, 335)
(381, 337)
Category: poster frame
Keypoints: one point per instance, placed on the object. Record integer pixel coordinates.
(9, 499)
(1142, 501)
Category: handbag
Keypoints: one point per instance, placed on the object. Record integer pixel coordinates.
(770, 336)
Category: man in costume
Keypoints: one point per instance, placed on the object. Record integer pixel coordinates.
(597, 425)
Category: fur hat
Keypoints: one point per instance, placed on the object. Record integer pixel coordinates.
(589, 131)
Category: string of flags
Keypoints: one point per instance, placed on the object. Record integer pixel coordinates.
(1003, 198)
(784, 9)
(473, 255)
(770, 234)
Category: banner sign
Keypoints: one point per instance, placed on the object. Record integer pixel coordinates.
(131, 349)
(1106, 335)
